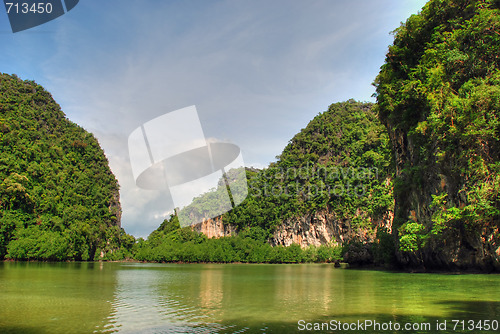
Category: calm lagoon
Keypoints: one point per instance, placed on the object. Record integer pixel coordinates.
(238, 298)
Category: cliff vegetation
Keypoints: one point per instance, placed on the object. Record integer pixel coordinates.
(438, 94)
(413, 180)
(339, 166)
(58, 197)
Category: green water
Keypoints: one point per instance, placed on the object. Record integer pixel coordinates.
(234, 298)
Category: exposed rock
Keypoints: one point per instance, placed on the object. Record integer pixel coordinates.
(325, 228)
(444, 154)
(320, 228)
(214, 228)
(460, 247)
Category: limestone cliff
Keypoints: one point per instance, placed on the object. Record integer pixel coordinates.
(458, 245)
(332, 184)
(316, 229)
(438, 95)
(214, 228)
(59, 199)
(325, 227)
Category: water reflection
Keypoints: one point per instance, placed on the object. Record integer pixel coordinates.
(212, 298)
(211, 288)
(313, 288)
(54, 297)
(228, 298)
(164, 299)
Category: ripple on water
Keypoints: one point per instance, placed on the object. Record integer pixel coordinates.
(115, 298)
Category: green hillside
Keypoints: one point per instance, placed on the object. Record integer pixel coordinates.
(58, 197)
(438, 93)
(433, 135)
(339, 163)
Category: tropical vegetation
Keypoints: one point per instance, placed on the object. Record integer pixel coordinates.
(58, 197)
(438, 93)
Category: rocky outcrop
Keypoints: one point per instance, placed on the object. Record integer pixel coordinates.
(320, 228)
(445, 143)
(214, 228)
(460, 246)
(324, 227)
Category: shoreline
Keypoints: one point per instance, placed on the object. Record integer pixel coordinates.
(340, 265)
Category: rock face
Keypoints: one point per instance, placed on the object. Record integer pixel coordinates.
(326, 228)
(445, 144)
(459, 247)
(322, 228)
(313, 229)
(214, 228)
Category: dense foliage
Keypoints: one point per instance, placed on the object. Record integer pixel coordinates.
(171, 243)
(339, 162)
(439, 95)
(58, 197)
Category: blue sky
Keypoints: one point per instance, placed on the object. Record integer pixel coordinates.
(256, 70)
